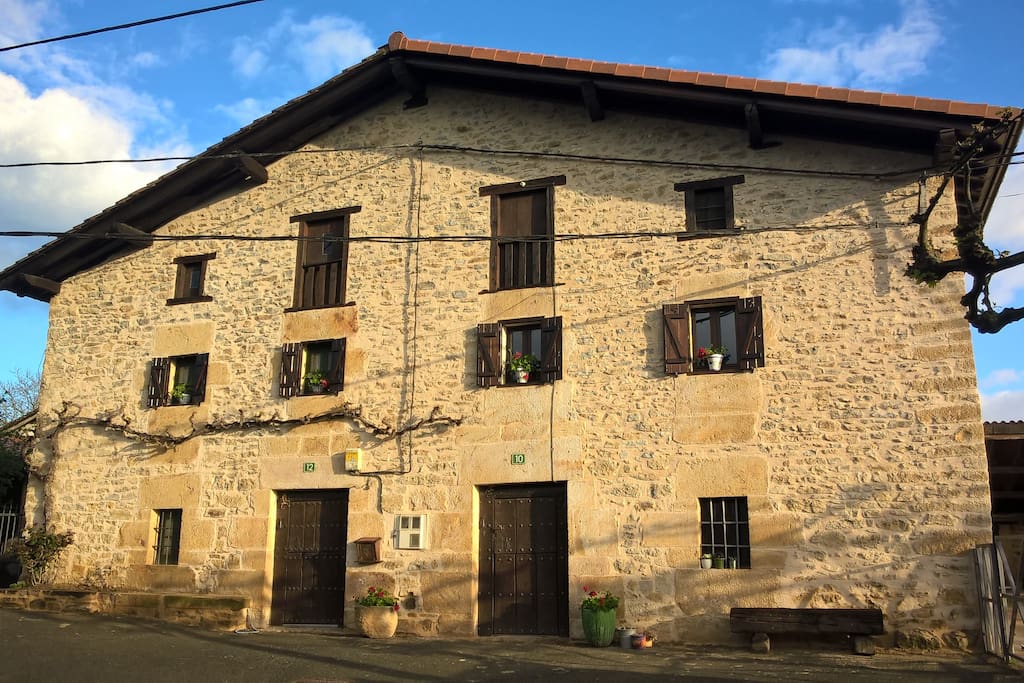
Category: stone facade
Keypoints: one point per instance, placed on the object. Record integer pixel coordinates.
(858, 445)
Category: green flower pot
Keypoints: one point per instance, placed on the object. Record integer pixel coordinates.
(599, 626)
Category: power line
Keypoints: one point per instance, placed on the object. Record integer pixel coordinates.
(497, 152)
(466, 238)
(130, 25)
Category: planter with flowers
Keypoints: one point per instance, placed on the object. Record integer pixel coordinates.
(598, 612)
(519, 366)
(181, 395)
(315, 382)
(377, 613)
(713, 356)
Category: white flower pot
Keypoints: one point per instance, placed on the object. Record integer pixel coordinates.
(715, 361)
(521, 376)
(705, 563)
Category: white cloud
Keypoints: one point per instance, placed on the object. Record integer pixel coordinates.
(60, 125)
(1005, 227)
(1002, 406)
(22, 20)
(1001, 378)
(247, 110)
(320, 47)
(326, 45)
(841, 55)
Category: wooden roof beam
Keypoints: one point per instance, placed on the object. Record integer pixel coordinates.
(41, 283)
(133, 235)
(409, 82)
(253, 170)
(591, 101)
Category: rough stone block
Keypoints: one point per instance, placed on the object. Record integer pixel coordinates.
(863, 645)
(761, 643)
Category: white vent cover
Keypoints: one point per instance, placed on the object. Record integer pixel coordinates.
(412, 532)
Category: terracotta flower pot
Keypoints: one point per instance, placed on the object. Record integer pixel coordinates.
(376, 622)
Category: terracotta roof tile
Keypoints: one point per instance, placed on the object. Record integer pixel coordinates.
(801, 90)
(398, 41)
(903, 101)
(530, 58)
(629, 70)
(656, 73)
(740, 82)
(864, 97)
(603, 68)
(773, 87)
(837, 94)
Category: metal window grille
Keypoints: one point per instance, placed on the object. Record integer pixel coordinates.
(168, 537)
(725, 529)
(10, 522)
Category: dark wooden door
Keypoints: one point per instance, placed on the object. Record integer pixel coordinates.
(524, 560)
(309, 557)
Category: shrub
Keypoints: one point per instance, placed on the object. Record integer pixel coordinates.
(38, 549)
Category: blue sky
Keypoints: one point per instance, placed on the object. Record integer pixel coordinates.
(177, 87)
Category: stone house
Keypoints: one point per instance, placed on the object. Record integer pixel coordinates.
(282, 371)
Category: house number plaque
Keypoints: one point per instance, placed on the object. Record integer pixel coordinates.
(309, 467)
(519, 458)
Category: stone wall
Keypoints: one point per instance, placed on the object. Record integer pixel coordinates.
(859, 445)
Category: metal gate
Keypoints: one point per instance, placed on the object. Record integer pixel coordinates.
(524, 560)
(999, 598)
(10, 522)
(309, 557)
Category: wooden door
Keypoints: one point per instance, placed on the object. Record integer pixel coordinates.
(524, 560)
(309, 557)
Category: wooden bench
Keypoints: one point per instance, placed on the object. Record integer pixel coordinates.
(762, 621)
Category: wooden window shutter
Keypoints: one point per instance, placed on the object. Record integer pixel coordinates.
(336, 376)
(159, 372)
(291, 367)
(677, 339)
(750, 333)
(488, 354)
(199, 391)
(551, 349)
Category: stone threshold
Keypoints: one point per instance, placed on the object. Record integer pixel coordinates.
(218, 612)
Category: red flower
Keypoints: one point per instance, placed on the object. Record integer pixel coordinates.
(372, 590)
(593, 594)
(586, 590)
(396, 606)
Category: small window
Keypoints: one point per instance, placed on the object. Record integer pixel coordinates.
(412, 532)
(523, 231)
(505, 347)
(725, 530)
(709, 203)
(322, 268)
(168, 536)
(177, 380)
(191, 279)
(316, 367)
(731, 326)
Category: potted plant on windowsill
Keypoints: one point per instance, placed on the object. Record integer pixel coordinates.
(315, 382)
(713, 356)
(705, 561)
(377, 613)
(519, 366)
(181, 395)
(598, 613)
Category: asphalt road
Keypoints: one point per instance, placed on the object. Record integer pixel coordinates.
(40, 646)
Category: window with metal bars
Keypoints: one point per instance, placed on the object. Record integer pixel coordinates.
(709, 203)
(725, 529)
(168, 536)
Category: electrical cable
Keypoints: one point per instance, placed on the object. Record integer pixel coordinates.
(129, 25)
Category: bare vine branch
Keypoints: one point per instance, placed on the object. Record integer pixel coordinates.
(974, 257)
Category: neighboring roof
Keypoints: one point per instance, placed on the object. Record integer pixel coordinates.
(1005, 428)
(409, 66)
(19, 423)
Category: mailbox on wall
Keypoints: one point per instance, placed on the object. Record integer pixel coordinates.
(367, 550)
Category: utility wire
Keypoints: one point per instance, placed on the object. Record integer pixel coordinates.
(497, 152)
(130, 25)
(406, 239)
